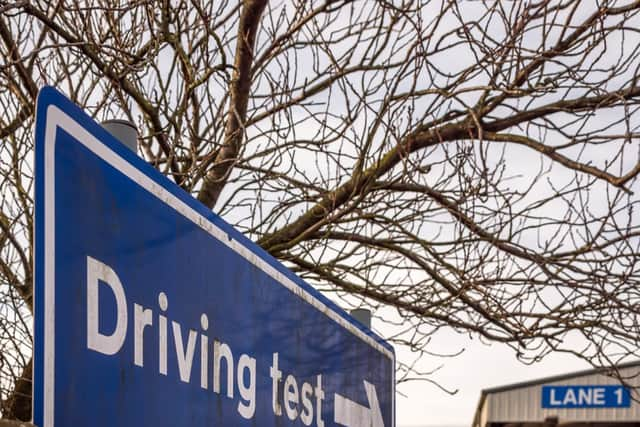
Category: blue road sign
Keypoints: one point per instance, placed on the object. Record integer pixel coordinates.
(585, 396)
(151, 310)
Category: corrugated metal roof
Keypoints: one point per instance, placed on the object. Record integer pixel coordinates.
(561, 377)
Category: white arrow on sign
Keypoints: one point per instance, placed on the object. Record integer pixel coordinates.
(351, 414)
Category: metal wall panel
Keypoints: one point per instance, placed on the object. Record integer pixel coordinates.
(525, 404)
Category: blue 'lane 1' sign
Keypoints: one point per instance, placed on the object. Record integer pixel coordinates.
(585, 396)
(150, 310)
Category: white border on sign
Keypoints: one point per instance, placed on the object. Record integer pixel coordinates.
(55, 118)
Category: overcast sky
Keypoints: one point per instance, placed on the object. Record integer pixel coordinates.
(479, 367)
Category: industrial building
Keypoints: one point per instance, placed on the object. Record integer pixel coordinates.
(586, 398)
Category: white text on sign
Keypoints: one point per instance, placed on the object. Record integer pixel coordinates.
(301, 400)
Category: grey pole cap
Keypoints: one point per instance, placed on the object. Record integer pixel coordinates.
(362, 315)
(124, 131)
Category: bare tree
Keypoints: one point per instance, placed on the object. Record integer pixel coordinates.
(467, 165)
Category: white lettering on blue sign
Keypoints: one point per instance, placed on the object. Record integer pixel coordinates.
(298, 401)
(585, 396)
(143, 323)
